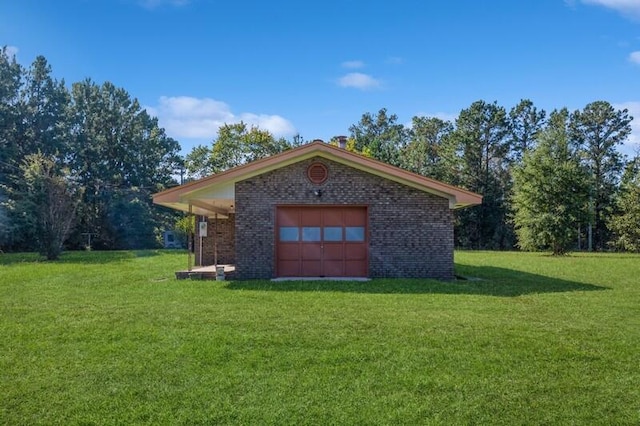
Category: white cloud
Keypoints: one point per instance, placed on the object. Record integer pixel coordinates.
(12, 51)
(276, 124)
(353, 64)
(630, 8)
(359, 81)
(395, 60)
(632, 144)
(200, 118)
(635, 57)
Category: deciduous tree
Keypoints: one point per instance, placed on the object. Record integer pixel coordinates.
(550, 190)
(118, 152)
(46, 201)
(625, 224)
(235, 144)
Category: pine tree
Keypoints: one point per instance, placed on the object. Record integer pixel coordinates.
(481, 141)
(599, 129)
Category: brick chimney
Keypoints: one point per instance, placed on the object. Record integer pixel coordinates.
(342, 141)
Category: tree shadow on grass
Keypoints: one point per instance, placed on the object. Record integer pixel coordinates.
(106, 256)
(11, 258)
(479, 280)
(78, 257)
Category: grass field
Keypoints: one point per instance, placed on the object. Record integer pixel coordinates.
(113, 338)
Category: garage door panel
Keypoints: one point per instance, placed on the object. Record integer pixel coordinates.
(289, 251)
(289, 268)
(310, 216)
(322, 241)
(333, 268)
(332, 217)
(311, 252)
(288, 216)
(355, 268)
(354, 216)
(333, 251)
(355, 251)
(311, 268)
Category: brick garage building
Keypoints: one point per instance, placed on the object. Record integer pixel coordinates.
(321, 211)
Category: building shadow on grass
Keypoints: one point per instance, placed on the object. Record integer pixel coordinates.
(477, 280)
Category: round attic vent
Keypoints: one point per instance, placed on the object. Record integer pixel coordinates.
(317, 173)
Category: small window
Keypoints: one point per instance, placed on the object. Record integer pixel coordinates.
(311, 233)
(288, 233)
(354, 233)
(332, 233)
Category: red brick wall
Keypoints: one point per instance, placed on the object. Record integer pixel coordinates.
(410, 231)
(226, 242)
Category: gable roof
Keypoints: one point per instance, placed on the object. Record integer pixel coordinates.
(216, 193)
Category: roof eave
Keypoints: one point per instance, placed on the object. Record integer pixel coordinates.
(458, 197)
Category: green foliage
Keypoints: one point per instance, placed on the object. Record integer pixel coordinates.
(185, 226)
(44, 106)
(525, 121)
(626, 224)
(197, 162)
(108, 145)
(235, 145)
(428, 152)
(599, 129)
(480, 140)
(121, 156)
(46, 202)
(131, 221)
(10, 82)
(550, 191)
(113, 338)
(118, 155)
(380, 137)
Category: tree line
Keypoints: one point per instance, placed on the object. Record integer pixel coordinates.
(80, 164)
(549, 181)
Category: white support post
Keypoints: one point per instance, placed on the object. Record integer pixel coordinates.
(200, 238)
(189, 243)
(215, 240)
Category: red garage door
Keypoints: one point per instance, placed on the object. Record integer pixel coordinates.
(321, 241)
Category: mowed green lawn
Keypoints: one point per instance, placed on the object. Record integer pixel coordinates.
(113, 338)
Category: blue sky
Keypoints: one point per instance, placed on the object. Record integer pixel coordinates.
(314, 68)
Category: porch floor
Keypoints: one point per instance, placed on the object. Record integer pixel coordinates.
(206, 272)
